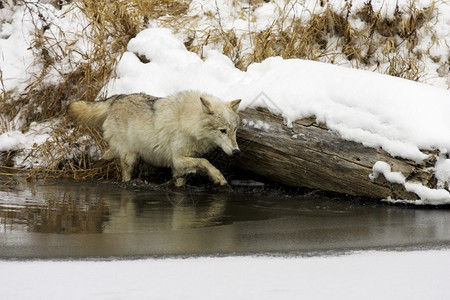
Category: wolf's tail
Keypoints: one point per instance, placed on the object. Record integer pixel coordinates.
(90, 113)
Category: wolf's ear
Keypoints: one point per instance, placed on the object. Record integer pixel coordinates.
(235, 104)
(206, 106)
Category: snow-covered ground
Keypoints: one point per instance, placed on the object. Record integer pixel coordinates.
(362, 275)
(402, 117)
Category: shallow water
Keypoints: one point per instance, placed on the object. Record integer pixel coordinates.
(68, 219)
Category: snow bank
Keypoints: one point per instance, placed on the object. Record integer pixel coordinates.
(374, 275)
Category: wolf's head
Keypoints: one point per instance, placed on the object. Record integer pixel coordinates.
(221, 123)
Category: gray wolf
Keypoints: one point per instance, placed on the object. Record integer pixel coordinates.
(169, 132)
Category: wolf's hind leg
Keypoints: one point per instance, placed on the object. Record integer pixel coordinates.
(186, 165)
(127, 161)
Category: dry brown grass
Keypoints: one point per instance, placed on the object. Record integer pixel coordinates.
(76, 156)
(386, 44)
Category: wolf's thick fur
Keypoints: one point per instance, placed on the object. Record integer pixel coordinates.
(166, 132)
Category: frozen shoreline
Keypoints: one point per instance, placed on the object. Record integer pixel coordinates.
(371, 275)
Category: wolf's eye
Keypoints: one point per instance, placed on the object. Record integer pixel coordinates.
(224, 131)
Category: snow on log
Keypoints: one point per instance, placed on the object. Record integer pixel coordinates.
(309, 155)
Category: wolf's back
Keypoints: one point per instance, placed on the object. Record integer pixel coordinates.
(90, 113)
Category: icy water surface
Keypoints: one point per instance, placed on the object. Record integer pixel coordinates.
(68, 219)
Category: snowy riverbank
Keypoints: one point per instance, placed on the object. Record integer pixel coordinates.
(369, 275)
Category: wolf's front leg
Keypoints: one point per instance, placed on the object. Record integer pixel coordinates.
(127, 161)
(186, 165)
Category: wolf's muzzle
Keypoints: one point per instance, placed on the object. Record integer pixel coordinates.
(236, 152)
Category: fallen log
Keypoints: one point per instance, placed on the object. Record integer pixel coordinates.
(309, 155)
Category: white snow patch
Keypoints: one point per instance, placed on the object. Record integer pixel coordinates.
(442, 170)
(427, 196)
(297, 135)
(16, 140)
(258, 124)
(377, 275)
(382, 168)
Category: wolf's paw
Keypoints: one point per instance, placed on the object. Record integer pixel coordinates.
(179, 181)
(224, 188)
(220, 180)
(217, 177)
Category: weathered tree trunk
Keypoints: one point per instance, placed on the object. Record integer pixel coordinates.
(310, 155)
